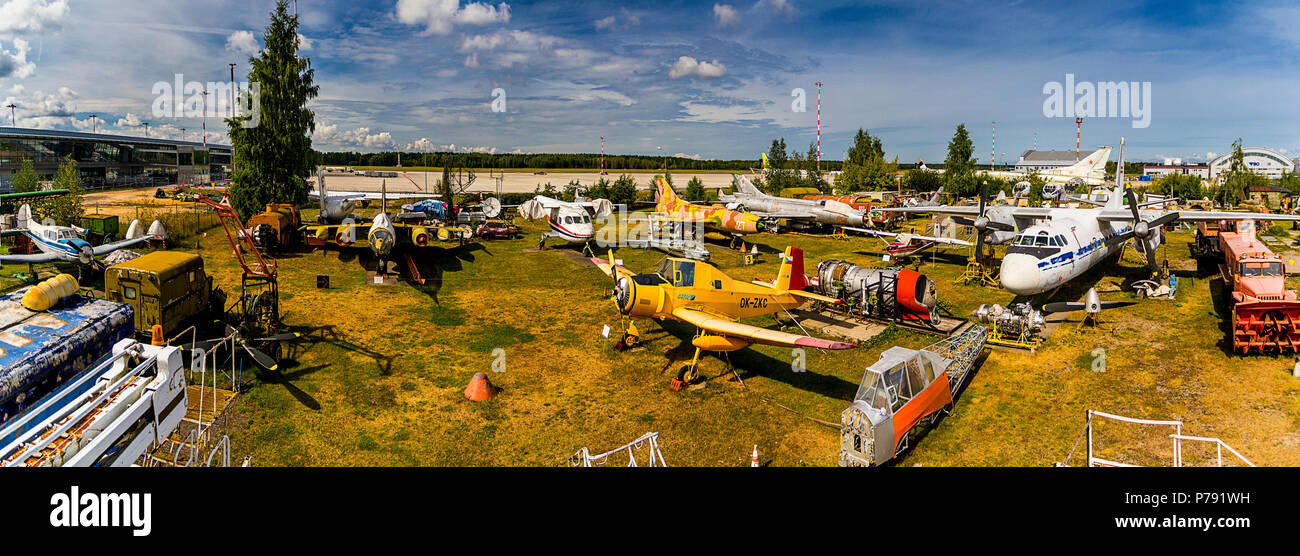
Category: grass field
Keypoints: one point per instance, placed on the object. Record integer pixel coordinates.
(378, 378)
(380, 381)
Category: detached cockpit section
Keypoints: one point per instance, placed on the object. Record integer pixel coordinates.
(899, 391)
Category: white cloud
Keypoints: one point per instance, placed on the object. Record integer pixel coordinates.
(779, 6)
(32, 15)
(305, 43)
(471, 61)
(242, 42)
(439, 16)
(687, 66)
(359, 138)
(629, 19)
(39, 109)
(425, 145)
(14, 63)
(725, 15)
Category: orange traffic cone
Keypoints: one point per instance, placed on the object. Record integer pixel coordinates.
(753, 460)
(479, 388)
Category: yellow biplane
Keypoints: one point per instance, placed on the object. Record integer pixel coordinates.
(701, 295)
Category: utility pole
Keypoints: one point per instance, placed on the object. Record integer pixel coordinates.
(819, 126)
(205, 119)
(602, 155)
(1078, 132)
(993, 154)
(94, 120)
(146, 129)
(182, 134)
(13, 120)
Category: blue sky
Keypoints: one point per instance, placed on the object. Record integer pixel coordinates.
(700, 79)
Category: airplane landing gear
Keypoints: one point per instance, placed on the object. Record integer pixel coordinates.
(686, 374)
(630, 337)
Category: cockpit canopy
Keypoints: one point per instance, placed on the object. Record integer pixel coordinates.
(900, 375)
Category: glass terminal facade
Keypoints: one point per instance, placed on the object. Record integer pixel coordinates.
(112, 160)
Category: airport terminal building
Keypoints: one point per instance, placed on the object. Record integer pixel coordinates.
(112, 160)
(1032, 160)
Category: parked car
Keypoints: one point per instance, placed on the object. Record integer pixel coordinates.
(497, 229)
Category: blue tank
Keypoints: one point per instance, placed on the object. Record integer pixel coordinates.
(41, 349)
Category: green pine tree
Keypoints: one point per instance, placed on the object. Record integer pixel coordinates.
(273, 159)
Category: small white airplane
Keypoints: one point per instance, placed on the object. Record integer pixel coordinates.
(909, 244)
(569, 221)
(1091, 170)
(1070, 241)
(334, 207)
(64, 243)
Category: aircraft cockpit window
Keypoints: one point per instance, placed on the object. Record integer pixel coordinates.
(586, 219)
(685, 274)
(1040, 240)
(665, 269)
(915, 382)
(1025, 240)
(896, 387)
(66, 234)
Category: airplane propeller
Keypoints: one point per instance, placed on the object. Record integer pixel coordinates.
(982, 223)
(1145, 231)
(259, 357)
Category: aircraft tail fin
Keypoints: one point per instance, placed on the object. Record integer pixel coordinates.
(791, 276)
(1116, 200)
(747, 187)
(764, 155)
(664, 194)
(24, 217)
(1091, 165)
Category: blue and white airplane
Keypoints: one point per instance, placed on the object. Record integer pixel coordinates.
(64, 243)
(1067, 242)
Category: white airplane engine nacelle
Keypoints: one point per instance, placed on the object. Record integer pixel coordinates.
(533, 210)
(156, 229)
(603, 207)
(133, 231)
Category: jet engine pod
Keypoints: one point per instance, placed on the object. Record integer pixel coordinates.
(916, 291)
(532, 210)
(420, 236)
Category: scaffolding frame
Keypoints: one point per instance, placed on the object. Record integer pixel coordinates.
(583, 457)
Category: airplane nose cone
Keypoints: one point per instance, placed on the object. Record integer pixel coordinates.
(1020, 274)
(623, 294)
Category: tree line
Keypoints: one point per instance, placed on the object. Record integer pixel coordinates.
(585, 161)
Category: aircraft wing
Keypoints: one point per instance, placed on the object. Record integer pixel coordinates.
(111, 247)
(374, 195)
(786, 215)
(1194, 215)
(728, 327)
(871, 232)
(972, 211)
(329, 232)
(33, 258)
(610, 268)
